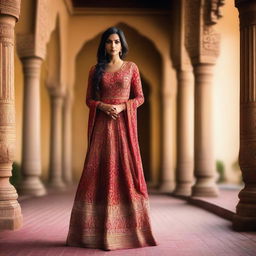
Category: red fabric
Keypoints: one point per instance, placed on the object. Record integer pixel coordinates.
(110, 209)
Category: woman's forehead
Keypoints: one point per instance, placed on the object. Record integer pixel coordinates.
(113, 37)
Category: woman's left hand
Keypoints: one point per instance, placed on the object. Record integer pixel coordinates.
(119, 108)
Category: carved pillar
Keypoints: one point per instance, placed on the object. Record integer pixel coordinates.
(67, 138)
(245, 218)
(185, 101)
(31, 50)
(10, 211)
(185, 138)
(202, 43)
(31, 146)
(204, 157)
(55, 176)
(167, 181)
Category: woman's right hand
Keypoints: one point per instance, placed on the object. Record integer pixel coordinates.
(109, 109)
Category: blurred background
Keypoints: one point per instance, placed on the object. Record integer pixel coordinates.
(66, 35)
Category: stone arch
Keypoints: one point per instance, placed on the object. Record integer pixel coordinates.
(50, 77)
(144, 53)
(53, 57)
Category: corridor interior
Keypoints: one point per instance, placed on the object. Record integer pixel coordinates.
(189, 59)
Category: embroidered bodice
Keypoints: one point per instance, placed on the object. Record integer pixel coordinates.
(118, 85)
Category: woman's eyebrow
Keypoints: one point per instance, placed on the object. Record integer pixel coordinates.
(109, 40)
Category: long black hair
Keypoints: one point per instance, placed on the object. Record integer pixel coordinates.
(103, 58)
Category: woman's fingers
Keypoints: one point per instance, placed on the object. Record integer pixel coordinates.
(114, 116)
(113, 111)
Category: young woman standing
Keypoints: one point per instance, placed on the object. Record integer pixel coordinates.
(111, 207)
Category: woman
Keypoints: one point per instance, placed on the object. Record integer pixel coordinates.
(110, 209)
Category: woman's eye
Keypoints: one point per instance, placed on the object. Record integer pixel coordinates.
(117, 42)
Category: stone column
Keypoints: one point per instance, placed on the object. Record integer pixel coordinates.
(204, 158)
(67, 138)
(167, 179)
(55, 176)
(185, 133)
(10, 211)
(202, 42)
(31, 146)
(245, 218)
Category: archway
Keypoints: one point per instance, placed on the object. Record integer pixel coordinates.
(143, 52)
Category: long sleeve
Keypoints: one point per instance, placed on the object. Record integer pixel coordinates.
(90, 102)
(136, 87)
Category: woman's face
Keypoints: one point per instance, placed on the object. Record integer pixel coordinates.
(113, 45)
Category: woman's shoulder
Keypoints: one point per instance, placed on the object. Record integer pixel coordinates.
(132, 65)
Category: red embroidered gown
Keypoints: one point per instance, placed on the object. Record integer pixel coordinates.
(110, 209)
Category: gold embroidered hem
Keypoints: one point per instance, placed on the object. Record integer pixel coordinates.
(110, 227)
(137, 238)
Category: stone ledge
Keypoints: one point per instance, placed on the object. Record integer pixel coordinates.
(224, 205)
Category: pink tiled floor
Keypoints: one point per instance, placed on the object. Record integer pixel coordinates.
(181, 229)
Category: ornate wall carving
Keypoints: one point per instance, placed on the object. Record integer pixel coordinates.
(7, 111)
(192, 25)
(202, 40)
(10, 7)
(42, 27)
(6, 34)
(34, 44)
(214, 11)
(26, 45)
(210, 42)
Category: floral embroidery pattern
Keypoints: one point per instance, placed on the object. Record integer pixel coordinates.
(110, 209)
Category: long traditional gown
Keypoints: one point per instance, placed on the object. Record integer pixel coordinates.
(111, 208)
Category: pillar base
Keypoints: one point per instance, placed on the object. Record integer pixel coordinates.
(204, 190)
(68, 182)
(245, 217)
(241, 223)
(166, 187)
(57, 184)
(10, 215)
(183, 189)
(31, 186)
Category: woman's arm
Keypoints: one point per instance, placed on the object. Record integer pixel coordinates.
(136, 87)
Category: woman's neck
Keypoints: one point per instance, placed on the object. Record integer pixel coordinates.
(115, 59)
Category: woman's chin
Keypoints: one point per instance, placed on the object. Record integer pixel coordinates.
(113, 53)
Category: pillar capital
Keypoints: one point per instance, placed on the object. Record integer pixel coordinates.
(202, 40)
(247, 12)
(11, 8)
(28, 47)
(241, 3)
(31, 67)
(56, 92)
